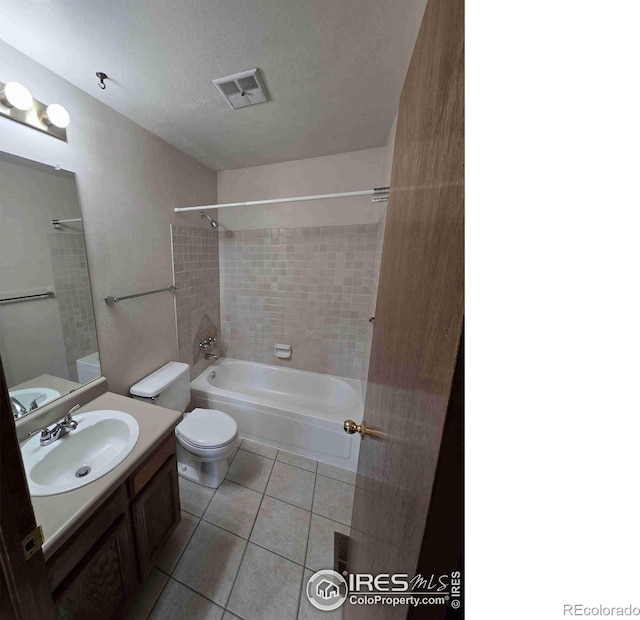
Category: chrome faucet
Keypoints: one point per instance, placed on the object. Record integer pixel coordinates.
(207, 343)
(61, 428)
(18, 408)
(34, 403)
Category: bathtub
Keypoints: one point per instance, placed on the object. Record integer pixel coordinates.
(293, 410)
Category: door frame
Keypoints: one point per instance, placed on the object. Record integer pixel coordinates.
(25, 581)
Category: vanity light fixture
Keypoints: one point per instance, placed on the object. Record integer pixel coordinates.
(15, 95)
(17, 104)
(56, 115)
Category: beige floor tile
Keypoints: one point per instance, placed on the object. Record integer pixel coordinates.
(259, 448)
(178, 601)
(267, 587)
(321, 542)
(337, 473)
(292, 485)
(194, 498)
(210, 562)
(234, 508)
(333, 499)
(297, 461)
(250, 470)
(282, 528)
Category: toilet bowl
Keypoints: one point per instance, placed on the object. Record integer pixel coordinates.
(206, 438)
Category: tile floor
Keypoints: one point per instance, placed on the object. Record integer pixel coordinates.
(242, 550)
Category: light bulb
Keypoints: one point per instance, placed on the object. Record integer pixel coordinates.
(56, 115)
(15, 95)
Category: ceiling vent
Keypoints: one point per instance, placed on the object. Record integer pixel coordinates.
(243, 89)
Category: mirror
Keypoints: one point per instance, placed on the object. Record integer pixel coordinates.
(48, 336)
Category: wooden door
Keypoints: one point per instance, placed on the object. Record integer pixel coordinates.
(24, 584)
(419, 314)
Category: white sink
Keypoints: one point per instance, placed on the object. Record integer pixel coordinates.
(102, 440)
(27, 395)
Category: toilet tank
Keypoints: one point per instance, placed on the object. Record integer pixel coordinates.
(168, 387)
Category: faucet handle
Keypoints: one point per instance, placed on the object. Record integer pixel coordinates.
(68, 419)
(34, 403)
(45, 431)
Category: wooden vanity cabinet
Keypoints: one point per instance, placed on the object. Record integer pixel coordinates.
(155, 508)
(94, 572)
(101, 583)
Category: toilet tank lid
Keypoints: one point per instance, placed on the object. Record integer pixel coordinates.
(159, 380)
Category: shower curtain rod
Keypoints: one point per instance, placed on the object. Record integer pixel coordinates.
(380, 194)
(57, 224)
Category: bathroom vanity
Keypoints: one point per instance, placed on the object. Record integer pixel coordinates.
(101, 539)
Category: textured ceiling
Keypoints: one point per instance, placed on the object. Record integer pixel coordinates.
(334, 68)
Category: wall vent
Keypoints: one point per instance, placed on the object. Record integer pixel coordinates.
(243, 89)
(341, 545)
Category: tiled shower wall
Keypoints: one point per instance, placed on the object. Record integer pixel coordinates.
(197, 278)
(311, 288)
(373, 295)
(73, 294)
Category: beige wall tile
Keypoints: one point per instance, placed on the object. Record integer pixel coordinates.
(197, 277)
(308, 287)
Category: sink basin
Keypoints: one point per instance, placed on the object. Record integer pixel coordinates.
(102, 440)
(27, 395)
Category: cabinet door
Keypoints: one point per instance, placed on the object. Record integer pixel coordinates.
(156, 513)
(99, 585)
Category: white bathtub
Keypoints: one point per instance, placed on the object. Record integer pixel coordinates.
(294, 410)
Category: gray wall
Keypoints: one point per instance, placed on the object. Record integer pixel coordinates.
(129, 180)
(343, 172)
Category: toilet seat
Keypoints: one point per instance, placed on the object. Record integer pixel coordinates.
(207, 428)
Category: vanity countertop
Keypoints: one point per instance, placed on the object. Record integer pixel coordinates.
(61, 515)
(64, 386)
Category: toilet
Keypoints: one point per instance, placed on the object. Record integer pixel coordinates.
(206, 437)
